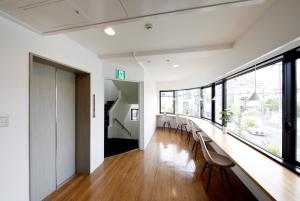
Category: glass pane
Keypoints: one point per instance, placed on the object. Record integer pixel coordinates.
(298, 109)
(166, 102)
(187, 102)
(218, 103)
(258, 120)
(179, 102)
(206, 93)
(196, 103)
(134, 114)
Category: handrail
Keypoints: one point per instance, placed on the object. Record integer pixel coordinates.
(122, 126)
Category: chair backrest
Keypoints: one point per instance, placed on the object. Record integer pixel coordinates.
(195, 136)
(164, 117)
(205, 152)
(189, 126)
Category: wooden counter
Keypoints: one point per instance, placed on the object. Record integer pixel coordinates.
(278, 182)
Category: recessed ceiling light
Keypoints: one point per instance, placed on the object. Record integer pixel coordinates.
(109, 31)
(168, 60)
(175, 65)
(148, 61)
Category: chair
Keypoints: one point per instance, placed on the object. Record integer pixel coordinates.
(166, 121)
(184, 124)
(213, 159)
(196, 136)
(180, 124)
(190, 131)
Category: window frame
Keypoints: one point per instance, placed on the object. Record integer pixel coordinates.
(250, 70)
(173, 106)
(174, 100)
(222, 97)
(131, 114)
(212, 106)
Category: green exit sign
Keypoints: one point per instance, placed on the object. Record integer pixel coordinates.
(121, 74)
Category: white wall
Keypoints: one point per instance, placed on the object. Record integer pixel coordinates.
(110, 91)
(133, 126)
(150, 107)
(277, 27)
(133, 73)
(129, 90)
(16, 43)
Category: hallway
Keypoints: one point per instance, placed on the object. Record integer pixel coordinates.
(165, 171)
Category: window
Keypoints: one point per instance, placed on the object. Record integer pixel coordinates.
(134, 114)
(298, 110)
(218, 103)
(187, 102)
(260, 120)
(206, 105)
(167, 102)
(260, 99)
(179, 102)
(196, 103)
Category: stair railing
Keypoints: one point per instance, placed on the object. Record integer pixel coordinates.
(122, 126)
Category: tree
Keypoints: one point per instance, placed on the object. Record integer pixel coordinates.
(272, 104)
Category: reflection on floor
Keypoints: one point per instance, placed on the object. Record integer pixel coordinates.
(165, 171)
(114, 146)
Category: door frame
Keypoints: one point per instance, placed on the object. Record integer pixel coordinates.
(82, 129)
(141, 107)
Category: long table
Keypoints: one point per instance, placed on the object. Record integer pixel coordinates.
(278, 182)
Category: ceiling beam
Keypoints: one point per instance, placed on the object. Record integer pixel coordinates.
(206, 48)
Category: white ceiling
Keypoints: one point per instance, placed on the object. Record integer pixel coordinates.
(189, 39)
(186, 32)
(48, 16)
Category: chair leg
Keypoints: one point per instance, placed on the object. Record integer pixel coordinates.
(193, 146)
(164, 125)
(177, 128)
(221, 174)
(196, 151)
(209, 177)
(203, 169)
(189, 138)
(229, 184)
(169, 125)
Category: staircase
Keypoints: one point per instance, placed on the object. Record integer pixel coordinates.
(113, 146)
(107, 107)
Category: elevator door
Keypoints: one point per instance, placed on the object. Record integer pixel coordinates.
(42, 131)
(52, 129)
(65, 125)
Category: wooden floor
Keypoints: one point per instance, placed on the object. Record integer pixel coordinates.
(165, 171)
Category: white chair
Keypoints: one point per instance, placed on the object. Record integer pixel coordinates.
(213, 159)
(196, 137)
(166, 121)
(189, 129)
(180, 124)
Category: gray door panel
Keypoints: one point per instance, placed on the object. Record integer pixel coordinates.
(65, 125)
(42, 131)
